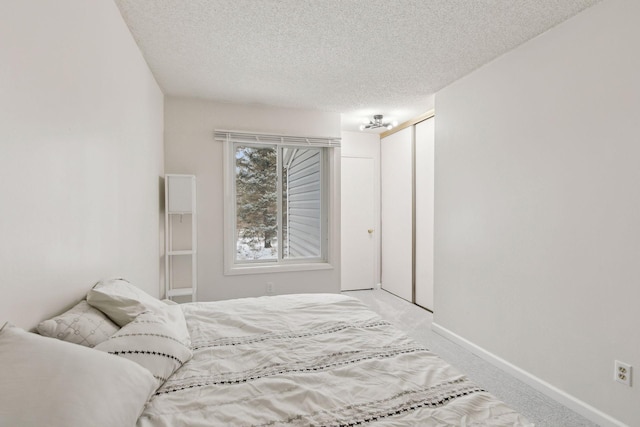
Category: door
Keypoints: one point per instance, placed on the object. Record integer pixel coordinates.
(358, 219)
(424, 212)
(396, 182)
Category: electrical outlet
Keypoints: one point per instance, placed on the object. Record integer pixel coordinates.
(623, 373)
(270, 290)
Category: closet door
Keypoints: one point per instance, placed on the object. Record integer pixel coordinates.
(396, 169)
(424, 175)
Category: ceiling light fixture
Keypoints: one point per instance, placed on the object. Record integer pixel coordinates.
(377, 123)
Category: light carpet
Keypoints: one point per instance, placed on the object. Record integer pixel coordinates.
(416, 322)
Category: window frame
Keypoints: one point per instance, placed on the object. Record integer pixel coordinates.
(232, 266)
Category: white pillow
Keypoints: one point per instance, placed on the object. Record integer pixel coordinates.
(173, 317)
(48, 382)
(158, 341)
(121, 301)
(82, 324)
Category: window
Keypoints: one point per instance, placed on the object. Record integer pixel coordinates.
(276, 208)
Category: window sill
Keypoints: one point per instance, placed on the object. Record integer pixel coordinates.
(265, 269)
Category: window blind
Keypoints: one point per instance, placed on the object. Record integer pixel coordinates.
(271, 139)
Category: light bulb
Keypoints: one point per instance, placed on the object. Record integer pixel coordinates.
(395, 123)
(361, 127)
(389, 126)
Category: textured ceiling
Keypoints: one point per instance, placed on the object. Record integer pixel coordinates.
(355, 57)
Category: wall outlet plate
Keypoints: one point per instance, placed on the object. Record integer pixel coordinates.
(622, 373)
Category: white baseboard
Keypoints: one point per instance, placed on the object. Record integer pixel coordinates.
(544, 387)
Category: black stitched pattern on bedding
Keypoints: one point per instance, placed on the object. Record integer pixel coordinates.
(286, 335)
(321, 363)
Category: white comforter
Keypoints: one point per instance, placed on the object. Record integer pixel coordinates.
(301, 360)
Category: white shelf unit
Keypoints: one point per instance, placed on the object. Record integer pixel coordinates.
(180, 224)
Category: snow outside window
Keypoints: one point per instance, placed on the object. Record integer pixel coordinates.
(279, 204)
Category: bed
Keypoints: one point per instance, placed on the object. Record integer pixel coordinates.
(291, 360)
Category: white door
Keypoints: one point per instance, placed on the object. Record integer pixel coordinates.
(424, 212)
(358, 222)
(396, 182)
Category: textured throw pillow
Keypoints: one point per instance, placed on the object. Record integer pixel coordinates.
(158, 341)
(121, 301)
(48, 382)
(82, 324)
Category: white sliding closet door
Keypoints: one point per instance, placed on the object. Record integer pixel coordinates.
(424, 175)
(396, 169)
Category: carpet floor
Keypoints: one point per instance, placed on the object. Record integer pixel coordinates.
(416, 322)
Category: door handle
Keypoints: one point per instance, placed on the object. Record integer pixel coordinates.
(370, 231)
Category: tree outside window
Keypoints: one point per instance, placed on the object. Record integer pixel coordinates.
(279, 213)
(256, 202)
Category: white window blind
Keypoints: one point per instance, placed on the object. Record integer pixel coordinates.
(272, 139)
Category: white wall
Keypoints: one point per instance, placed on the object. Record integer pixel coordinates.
(80, 156)
(538, 209)
(191, 149)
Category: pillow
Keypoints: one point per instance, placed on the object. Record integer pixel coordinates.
(48, 382)
(173, 317)
(82, 324)
(158, 341)
(121, 301)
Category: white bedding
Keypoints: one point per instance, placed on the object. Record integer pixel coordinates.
(301, 360)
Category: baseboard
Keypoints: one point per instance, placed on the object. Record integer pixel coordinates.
(544, 387)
